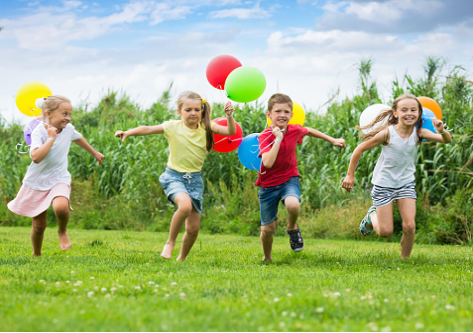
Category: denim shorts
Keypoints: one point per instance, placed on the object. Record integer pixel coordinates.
(269, 198)
(191, 183)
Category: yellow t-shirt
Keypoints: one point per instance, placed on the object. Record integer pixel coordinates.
(187, 147)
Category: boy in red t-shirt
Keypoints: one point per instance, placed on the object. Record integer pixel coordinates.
(278, 177)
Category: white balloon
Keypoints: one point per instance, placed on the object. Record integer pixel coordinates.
(370, 114)
(39, 103)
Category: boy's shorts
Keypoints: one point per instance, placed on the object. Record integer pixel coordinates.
(269, 198)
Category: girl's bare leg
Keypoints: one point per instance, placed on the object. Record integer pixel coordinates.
(61, 209)
(37, 233)
(407, 208)
(382, 220)
(184, 210)
(192, 231)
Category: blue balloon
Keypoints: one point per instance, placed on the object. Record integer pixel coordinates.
(426, 113)
(248, 152)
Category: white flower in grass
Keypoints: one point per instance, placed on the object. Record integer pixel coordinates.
(386, 329)
(348, 289)
(138, 288)
(289, 295)
(72, 272)
(282, 324)
(372, 326)
(450, 282)
(92, 278)
(150, 283)
(433, 296)
(182, 295)
(449, 307)
(386, 300)
(107, 296)
(398, 269)
(103, 289)
(325, 295)
(319, 310)
(81, 312)
(58, 283)
(419, 326)
(276, 299)
(336, 294)
(284, 313)
(120, 286)
(338, 263)
(174, 284)
(293, 314)
(90, 294)
(409, 300)
(68, 281)
(166, 296)
(155, 290)
(42, 281)
(363, 297)
(96, 288)
(74, 290)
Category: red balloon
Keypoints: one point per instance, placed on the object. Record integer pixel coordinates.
(219, 68)
(223, 143)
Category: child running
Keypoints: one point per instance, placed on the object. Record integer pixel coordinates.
(190, 139)
(47, 179)
(393, 176)
(278, 177)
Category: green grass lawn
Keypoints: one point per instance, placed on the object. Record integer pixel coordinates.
(116, 281)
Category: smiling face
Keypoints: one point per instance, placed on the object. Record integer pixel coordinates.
(407, 112)
(280, 114)
(60, 117)
(191, 112)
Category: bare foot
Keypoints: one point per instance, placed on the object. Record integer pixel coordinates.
(167, 251)
(64, 241)
(36, 255)
(180, 259)
(264, 260)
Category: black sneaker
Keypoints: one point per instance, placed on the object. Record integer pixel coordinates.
(295, 239)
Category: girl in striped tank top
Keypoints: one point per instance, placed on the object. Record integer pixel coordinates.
(393, 176)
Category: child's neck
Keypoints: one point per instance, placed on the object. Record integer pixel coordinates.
(404, 130)
(193, 126)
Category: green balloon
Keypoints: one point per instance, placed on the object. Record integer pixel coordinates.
(245, 84)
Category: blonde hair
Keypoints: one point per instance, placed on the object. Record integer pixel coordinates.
(374, 128)
(279, 98)
(51, 103)
(206, 113)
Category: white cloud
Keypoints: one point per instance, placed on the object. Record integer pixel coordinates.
(241, 13)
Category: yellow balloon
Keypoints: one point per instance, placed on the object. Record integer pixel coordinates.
(298, 115)
(27, 95)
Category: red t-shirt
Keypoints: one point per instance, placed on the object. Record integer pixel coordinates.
(285, 165)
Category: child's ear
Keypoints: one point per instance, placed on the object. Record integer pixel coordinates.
(268, 114)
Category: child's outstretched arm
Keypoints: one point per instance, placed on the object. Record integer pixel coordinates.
(443, 136)
(85, 145)
(140, 131)
(377, 140)
(316, 134)
(230, 129)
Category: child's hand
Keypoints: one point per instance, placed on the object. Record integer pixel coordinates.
(438, 124)
(340, 143)
(348, 183)
(277, 132)
(121, 134)
(229, 109)
(99, 157)
(52, 132)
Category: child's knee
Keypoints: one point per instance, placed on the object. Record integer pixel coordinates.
(385, 231)
(192, 230)
(409, 227)
(61, 211)
(185, 208)
(268, 229)
(39, 228)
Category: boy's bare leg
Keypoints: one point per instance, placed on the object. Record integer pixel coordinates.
(37, 233)
(293, 209)
(192, 231)
(61, 209)
(266, 236)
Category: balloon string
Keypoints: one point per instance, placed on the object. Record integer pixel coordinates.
(21, 146)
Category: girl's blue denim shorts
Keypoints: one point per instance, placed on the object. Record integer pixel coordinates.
(174, 182)
(269, 198)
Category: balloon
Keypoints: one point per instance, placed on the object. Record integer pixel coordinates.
(370, 114)
(28, 130)
(223, 143)
(298, 115)
(432, 105)
(27, 95)
(219, 68)
(248, 152)
(428, 124)
(245, 84)
(426, 113)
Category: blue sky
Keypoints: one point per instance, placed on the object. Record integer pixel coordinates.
(307, 49)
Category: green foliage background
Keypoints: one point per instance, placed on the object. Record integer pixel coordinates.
(124, 193)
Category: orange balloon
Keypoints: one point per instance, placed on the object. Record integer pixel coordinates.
(432, 105)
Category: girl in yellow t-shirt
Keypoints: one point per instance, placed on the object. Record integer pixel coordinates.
(190, 139)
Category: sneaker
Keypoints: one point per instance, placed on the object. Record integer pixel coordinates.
(366, 220)
(295, 239)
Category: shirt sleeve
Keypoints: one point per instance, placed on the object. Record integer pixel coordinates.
(37, 138)
(75, 135)
(265, 139)
(303, 132)
(169, 128)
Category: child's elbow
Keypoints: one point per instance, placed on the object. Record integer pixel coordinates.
(267, 165)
